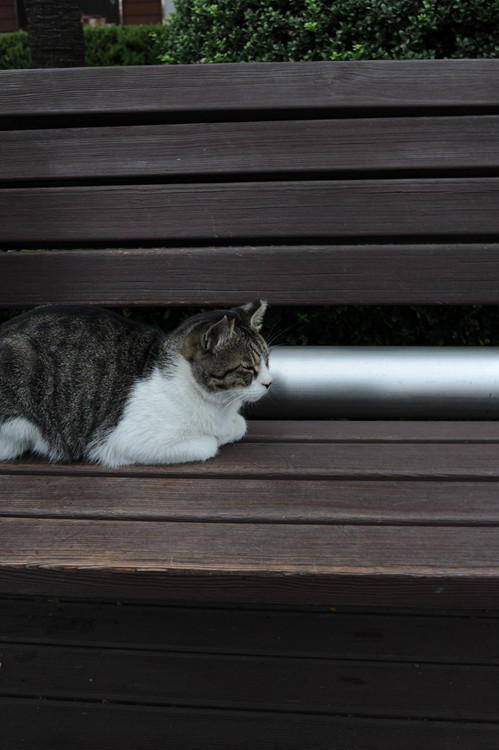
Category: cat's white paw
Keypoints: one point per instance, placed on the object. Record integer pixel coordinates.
(197, 449)
(233, 430)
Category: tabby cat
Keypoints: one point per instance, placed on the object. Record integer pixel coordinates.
(82, 383)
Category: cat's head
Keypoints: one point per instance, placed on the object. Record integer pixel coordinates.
(226, 352)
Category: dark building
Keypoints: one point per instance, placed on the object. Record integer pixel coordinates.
(94, 12)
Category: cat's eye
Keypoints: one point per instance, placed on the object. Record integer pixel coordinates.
(223, 375)
(252, 366)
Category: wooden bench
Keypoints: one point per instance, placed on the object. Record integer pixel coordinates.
(305, 184)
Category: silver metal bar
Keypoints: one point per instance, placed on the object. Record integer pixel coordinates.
(322, 382)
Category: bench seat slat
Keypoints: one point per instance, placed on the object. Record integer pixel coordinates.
(282, 501)
(189, 150)
(378, 274)
(228, 211)
(375, 431)
(257, 549)
(356, 460)
(230, 87)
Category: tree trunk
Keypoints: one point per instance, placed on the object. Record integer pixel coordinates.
(55, 33)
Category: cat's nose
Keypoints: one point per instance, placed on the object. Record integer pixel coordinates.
(267, 383)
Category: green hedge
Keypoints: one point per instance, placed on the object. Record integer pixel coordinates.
(361, 326)
(124, 45)
(261, 30)
(14, 50)
(352, 326)
(104, 45)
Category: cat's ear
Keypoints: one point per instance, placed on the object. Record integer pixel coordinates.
(254, 313)
(217, 335)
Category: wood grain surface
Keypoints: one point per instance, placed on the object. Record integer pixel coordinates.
(393, 514)
(319, 209)
(157, 675)
(113, 726)
(293, 275)
(170, 151)
(381, 84)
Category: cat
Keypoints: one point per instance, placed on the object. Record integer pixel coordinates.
(86, 384)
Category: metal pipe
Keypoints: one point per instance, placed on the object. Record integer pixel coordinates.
(323, 382)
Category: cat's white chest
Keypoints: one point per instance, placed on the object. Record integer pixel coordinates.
(167, 420)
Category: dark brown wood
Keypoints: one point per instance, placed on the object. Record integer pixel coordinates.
(249, 682)
(230, 211)
(281, 501)
(254, 549)
(381, 274)
(321, 183)
(112, 727)
(302, 146)
(448, 638)
(414, 461)
(383, 431)
(378, 85)
(451, 591)
(112, 664)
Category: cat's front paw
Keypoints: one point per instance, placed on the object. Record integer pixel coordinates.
(233, 431)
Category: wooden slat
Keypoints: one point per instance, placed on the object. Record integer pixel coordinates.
(201, 276)
(454, 590)
(267, 501)
(252, 683)
(84, 671)
(321, 209)
(110, 727)
(382, 84)
(450, 638)
(382, 431)
(168, 151)
(257, 550)
(356, 460)
(110, 664)
(371, 274)
(370, 431)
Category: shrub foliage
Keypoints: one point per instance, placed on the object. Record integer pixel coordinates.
(259, 30)
(14, 50)
(104, 45)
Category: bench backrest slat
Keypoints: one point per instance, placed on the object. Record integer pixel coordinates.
(236, 212)
(305, 183)
(408, 274)
(178, 151)
(385, 85)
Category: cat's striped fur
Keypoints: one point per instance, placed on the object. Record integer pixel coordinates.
(83, 383)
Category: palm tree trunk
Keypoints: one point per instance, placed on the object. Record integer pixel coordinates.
(55, 33)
